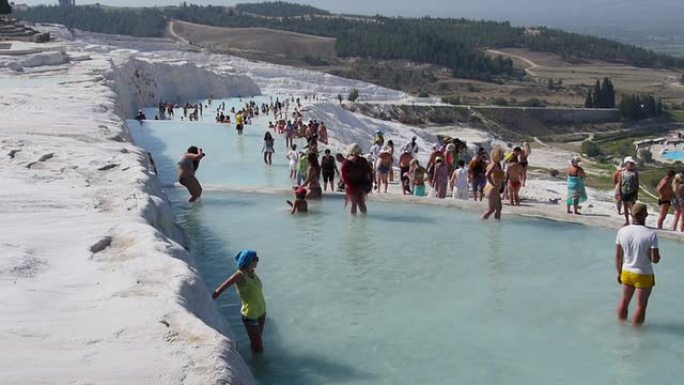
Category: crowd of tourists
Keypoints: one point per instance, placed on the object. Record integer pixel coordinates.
(627, 186)
(451, 170)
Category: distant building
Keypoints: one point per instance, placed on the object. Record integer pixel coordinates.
(532, 32)
(67, 2)
(20, 7)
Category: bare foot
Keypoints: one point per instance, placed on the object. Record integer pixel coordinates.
(578, 213)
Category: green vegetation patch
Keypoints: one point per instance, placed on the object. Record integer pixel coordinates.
(279, 9)
(677, 116)
(140, 22)
(456, 44)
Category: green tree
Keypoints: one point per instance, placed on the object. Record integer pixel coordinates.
(500, 101)
(597, 95)
(659, 107)
(550, 85)
(608, 93)
(353, 95)
(646, 156)
(533, 102)
(5, 8)
(589, 101)
(590, 148)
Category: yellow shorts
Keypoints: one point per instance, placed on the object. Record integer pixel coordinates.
(640, 281)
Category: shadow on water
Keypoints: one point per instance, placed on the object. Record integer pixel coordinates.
(403, 218)
(143, 138)
(284, 366)
(674, 329)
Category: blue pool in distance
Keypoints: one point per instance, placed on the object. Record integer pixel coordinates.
(674, 155)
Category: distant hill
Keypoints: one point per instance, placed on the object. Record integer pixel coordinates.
(457, 44)
(279, 9)
(257, 43)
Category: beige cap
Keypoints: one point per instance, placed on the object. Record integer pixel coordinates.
(639, 209)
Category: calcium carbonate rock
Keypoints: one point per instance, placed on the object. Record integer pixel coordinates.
(141, 83)
(48, 58)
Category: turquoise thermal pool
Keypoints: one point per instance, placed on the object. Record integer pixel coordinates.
(412, 293)
(674, 155)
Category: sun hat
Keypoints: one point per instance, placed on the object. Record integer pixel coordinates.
(244, 257)
(629, 159)
(639, 209)
(353, 149)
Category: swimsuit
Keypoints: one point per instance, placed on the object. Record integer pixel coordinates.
(328, 176)
(497, 177)
(252, 298)
(186, 169)
(639, 281)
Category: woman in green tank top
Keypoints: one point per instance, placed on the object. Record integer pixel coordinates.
(249, 290)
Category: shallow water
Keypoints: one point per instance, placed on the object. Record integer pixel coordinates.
(231, 159)
(422, 294)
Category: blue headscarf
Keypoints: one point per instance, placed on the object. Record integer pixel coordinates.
(244, 257)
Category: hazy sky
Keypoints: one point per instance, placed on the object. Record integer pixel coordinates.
(554, 12)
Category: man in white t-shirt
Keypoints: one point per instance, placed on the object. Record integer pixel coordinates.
(635, 251)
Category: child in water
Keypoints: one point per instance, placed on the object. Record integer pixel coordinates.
(299, 204)
(249, 288)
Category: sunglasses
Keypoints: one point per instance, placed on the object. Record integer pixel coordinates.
(256, 259)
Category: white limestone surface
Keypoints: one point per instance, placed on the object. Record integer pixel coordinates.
(95, 287)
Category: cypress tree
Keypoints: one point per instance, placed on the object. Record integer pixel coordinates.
(588, 102)
(598, 95)
(5, 8)
(608, 93)
(659, 107)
